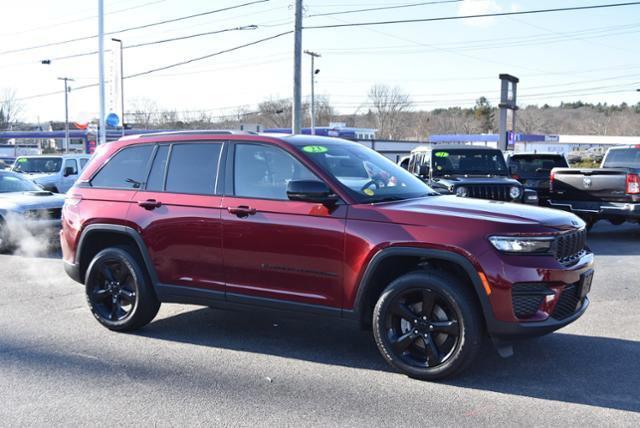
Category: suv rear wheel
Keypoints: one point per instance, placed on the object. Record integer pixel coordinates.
(427, 325)
(118, 291)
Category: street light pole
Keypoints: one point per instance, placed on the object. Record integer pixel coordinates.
(297, 65)
(313, 56)
(102, 132)
(121, 82)
(66, 111)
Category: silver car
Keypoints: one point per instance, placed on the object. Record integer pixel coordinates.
(29, 215)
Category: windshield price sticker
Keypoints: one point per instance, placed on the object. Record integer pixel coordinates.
(315, 149)
(22, 160)
(442, 154)
(368, 192)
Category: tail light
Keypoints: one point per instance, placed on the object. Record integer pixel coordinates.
(552, 177)
(633, 184)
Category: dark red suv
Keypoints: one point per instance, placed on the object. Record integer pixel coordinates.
(321, 226)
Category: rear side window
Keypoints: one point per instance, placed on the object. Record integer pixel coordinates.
(193, 168)
(83, 163)
(536, 165)
(155, 183)
(125, 170)
(623, 158)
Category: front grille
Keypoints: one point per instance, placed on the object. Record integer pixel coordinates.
(44, 214)
(568, 303)
(569, 247)
(527, 298)
(492, 192)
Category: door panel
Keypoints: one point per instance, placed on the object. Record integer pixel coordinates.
(183, 236)
(285, 250)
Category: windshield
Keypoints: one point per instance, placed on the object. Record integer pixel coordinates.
(623, 158)
(468, 162)
(14, 183)
(533, 166)
(367, 175)
(45, 165)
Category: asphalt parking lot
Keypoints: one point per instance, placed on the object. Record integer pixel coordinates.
(203, 367)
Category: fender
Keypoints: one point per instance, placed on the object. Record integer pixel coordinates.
(448, 256)
(123, 230)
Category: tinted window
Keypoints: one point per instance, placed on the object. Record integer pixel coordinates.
(621, 158)
(71, 163)
(46, 165)
(539, 165)
(264, 171)
(369, 176)
(125, 170)
(472, 162)
(156, 177)
(193, 168)
(15, 183)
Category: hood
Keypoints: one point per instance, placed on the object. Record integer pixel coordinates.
(451, 210)
(20, 201)
(40, 176)
(459, 180)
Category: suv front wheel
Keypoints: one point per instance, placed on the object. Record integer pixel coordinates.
(427, 324)
(118, 291)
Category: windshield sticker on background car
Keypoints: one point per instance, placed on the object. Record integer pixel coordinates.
(441, 154)
(22, 160)
(439, 168)
(368, 192)
(315, 149)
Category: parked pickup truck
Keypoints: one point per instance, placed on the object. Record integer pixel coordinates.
(55, 173)
(611, 192)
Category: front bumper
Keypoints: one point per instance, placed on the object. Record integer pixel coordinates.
(599, 209)
(73, 271)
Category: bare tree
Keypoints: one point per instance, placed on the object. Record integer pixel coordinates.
(10, 108)
(144, 113)
(389, 105)
(276, 113)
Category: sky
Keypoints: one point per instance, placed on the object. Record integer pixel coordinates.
(591, 56)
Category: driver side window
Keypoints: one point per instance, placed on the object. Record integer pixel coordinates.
(71, 163)
(263, 172)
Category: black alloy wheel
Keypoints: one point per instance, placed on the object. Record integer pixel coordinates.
(118, 290)
(428, 324)
(422, 327)
(114, 291)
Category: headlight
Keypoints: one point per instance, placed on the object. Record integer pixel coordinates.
(462, 192)
(517, 244)
(515, 192)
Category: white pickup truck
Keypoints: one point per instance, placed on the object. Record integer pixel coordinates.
(55, 173)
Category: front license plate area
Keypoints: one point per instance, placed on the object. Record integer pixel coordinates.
(585, 283)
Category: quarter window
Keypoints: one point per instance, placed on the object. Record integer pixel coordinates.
(125, 170)
(193, 168)
(264, 172)
(71, 163)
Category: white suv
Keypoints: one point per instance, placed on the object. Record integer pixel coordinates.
(55, 173)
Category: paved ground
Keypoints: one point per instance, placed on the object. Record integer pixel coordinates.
(204, 367)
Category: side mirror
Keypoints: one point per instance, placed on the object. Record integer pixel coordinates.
(68, 171)
(424, 171)
(311, 191)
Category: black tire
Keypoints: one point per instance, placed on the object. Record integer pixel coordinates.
(119, 291)
(437, 342)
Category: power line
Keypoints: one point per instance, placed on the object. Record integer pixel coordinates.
(84, 19)
(374, 9)
(484, 15)
(166, 67)
(139, 27)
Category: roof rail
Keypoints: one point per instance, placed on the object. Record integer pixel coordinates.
(188, 132)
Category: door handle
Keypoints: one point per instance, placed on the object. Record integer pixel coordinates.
(150, 204)
(242, 211)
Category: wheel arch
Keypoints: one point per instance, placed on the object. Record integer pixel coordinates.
(390, 263)
(97, 237)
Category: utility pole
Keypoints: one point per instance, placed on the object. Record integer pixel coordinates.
(508, 103)
(121, 83)
(313, 56)
(66, 112)
(102, 132)
(297, 66)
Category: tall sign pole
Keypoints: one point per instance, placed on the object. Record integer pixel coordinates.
(103, 128)
(297, 70)
(66, 112)
(508, 103)
(313, 56)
